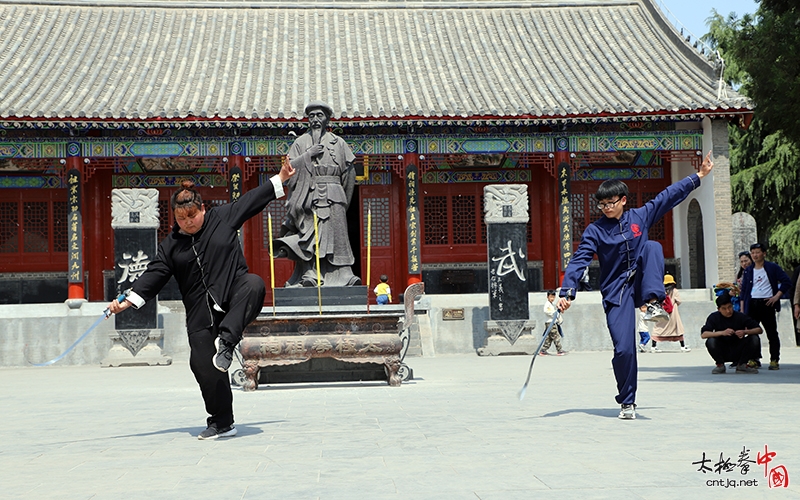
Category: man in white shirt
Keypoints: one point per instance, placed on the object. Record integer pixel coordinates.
(763, 285)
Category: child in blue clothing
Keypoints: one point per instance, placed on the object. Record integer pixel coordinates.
(641, 325)
(631, 270)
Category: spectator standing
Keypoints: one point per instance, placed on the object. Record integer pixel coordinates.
(644, 332)
(670, 330)
(763, 285)
(554, 332)
(382, 291)
(745, 261)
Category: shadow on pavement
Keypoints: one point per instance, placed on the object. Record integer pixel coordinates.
(249, 429)
(788, 374)
(610, 412)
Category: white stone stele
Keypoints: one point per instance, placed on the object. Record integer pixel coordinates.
(497, 196)
(136, 348)
(141, 201)
(497, 343)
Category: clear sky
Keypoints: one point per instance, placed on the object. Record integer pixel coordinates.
(693, 13)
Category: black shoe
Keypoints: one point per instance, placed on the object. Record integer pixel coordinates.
(224, 356)
(213, 433)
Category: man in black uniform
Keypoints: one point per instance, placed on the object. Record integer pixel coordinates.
(731, 336)
(220, 296)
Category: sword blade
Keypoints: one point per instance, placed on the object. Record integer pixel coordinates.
(58, 358)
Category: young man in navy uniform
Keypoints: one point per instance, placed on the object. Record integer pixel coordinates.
(631, 270)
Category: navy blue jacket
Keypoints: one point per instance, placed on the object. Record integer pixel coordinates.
(778, 279)
(617, 243)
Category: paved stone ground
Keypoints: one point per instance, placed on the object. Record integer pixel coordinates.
(458, 431)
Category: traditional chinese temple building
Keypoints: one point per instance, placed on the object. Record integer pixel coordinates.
(437, 99)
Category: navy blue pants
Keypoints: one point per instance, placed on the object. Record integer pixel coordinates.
(648, 283)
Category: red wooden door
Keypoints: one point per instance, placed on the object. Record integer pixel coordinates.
(387, 249)
(259, 239)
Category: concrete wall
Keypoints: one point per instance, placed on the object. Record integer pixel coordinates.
(584, 324)
(40, 332)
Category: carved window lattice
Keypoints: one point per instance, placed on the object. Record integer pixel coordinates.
(380, 223)
(277, 209)
(37, 229)
(60, 226)
(463, 220)
(9, 227)
(435, 220)
(658, 230)
(164, 216)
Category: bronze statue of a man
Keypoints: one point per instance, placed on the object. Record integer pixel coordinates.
(323, 185)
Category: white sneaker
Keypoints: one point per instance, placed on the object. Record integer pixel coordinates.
(642, 348)
(655, 313)
(685, 349)
(628, 412)
(654, 349)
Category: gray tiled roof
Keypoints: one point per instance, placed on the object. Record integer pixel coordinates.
(139, 59)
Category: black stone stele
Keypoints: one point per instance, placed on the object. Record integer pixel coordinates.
(133, 250)
(508, 271)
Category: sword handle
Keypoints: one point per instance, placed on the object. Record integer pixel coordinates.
(107, 311)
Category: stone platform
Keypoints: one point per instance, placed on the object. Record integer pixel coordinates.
(331, 296)
(316, 348)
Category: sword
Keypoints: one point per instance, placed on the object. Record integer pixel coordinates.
(547, 328)
(105, 315)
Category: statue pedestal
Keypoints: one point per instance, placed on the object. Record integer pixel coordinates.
(136, 348)
(510, 337)
(331, 296)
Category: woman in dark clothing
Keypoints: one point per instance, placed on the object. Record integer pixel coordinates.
(220, 296)
(745, 261)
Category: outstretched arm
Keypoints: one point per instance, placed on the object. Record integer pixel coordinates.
(706, 167)
(670, 197)
(287, 171)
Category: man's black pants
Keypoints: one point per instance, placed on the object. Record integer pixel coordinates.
(764, 314)
(215, 386)
(733, 349)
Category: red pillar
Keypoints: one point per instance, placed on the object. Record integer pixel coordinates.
(99, 232)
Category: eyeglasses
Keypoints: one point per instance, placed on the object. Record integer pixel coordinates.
(610, 204)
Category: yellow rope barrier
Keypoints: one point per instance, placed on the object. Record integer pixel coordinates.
(369, 249)
(319, 278)
(271, 262)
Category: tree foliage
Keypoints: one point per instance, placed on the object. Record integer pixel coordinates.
(765, 158)
(768, 50)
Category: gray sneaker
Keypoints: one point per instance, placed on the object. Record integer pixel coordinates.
(213, 433)
(743, 368)
(224, 355)
(655, 312)
(719, 369)
(628, 412)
